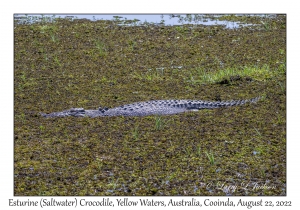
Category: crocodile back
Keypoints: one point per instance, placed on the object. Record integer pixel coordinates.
(167, 107)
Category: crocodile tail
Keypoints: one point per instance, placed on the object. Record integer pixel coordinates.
(254, 100)
(241, 102)
(219, 104)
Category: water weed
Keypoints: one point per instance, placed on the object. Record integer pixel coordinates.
(228, 74)
(104, 63)
(159, 123)
(135, 133)
(210, 157)
(100, 46)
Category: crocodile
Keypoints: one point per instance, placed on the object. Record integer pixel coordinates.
(154, 107)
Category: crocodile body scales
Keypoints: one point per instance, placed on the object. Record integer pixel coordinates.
(155, 107)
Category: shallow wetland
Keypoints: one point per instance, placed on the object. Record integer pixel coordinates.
(66, 63)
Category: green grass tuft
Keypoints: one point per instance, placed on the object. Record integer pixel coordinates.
(255, 73)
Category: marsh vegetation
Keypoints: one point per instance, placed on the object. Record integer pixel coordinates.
(66, 63)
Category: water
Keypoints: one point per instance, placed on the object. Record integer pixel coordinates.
(138, 19)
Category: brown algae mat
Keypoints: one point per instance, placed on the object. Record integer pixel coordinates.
(80, 63)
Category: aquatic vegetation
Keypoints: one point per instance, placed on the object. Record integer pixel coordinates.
(135, 133)
(63, 63)
(101, 48)
(210, 157)
(228, 75)
(159, 122)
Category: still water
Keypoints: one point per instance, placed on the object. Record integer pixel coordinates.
(166, 19)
